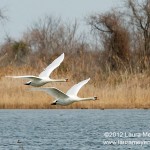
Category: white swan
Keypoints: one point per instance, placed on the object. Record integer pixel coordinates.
(69, 97)
(43, 77)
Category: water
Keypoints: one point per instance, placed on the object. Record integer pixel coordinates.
(74, 129)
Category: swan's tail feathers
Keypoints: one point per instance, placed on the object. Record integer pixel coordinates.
(95, 98)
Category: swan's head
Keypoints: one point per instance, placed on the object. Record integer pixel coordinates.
(28, 83)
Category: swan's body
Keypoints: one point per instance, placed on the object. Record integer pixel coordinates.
(68, 98)
(43, 77)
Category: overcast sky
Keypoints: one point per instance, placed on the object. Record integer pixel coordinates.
(23, 13)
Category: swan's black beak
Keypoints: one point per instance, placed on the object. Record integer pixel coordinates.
(28, 83)
(53, 103)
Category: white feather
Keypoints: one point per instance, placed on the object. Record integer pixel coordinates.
(75, 89)
(68, 98)
(48, 70)
(52, 91)
(44, 78)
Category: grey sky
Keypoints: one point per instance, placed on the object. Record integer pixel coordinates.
(23, 13)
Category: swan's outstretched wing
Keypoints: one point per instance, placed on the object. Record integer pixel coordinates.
(26, 77)
(53, 92)
(52, 66)
(75, 89)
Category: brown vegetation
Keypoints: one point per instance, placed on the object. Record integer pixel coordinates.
(115, 91)
(118, 64)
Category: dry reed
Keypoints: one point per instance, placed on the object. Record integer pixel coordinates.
(116, 91)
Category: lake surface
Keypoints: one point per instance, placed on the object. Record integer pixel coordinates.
(75, 129)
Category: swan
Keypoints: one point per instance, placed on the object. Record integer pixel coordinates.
(43, 77)
(68, 98)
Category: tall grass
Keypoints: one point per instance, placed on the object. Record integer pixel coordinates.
(116, 91)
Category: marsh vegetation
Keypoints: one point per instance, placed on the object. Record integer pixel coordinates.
(115, 54)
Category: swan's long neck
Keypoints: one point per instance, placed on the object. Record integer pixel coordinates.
(59, 80)
(87, 99)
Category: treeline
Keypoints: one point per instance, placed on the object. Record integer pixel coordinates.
(119, 41)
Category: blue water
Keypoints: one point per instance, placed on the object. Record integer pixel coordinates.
(74, 129)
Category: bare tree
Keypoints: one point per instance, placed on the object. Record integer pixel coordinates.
(114, 36)
(50, 35)
(41, 35)
(140, 15)
(2, 16)
(14, 53)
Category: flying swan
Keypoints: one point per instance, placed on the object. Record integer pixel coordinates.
(69, 97)
(43, 77)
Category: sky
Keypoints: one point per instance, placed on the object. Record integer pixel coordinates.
(23, 13)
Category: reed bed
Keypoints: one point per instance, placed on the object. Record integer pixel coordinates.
(116, 91)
